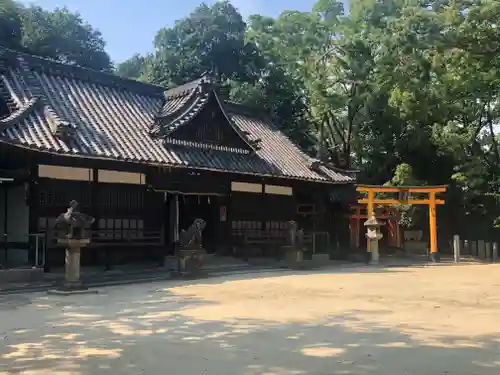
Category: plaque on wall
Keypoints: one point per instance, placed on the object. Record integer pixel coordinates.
(223, 214)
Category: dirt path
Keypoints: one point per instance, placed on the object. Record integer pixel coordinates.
(415, 321)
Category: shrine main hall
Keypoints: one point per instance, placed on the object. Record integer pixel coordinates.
(146, 161)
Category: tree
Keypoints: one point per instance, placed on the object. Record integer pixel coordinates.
(135, 67)
(10, 24)
(64, 36)
(210, 39)
(293, 46)
(59, 34)
(408, 215)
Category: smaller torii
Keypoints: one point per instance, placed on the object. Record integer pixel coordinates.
(404, 198)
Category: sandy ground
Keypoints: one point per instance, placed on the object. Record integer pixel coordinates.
(438, 320)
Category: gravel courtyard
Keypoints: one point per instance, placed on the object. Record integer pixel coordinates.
(415, 321)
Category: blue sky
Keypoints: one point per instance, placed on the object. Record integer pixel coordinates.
(129, 26)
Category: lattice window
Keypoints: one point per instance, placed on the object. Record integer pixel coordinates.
(124, 199)
(61, 193)
(121, 228)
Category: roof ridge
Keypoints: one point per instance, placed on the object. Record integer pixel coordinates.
(77, 71)
(187, 88)
(182, 90)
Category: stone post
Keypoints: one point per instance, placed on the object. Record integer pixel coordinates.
(487, 251)
(480, 249)
(494, 257)
(473, 248)
(456, 248)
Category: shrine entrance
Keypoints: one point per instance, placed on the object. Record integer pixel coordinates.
(181, 210)
(206, 207)
(407, 195)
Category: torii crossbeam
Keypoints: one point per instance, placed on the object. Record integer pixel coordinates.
(404, 198)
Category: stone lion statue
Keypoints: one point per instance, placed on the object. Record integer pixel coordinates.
(192, 237)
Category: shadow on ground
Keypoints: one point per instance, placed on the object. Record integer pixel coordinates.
(150, 330)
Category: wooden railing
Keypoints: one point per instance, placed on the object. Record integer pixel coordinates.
(125, 237)
(115, 238)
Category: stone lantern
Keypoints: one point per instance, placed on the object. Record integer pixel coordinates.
(73, 223)
(373, 235)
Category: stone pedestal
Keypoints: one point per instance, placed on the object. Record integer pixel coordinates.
(375, 255)
(293, 255)
(72, 282)
(191, 260)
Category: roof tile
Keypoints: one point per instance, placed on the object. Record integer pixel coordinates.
(113, 117)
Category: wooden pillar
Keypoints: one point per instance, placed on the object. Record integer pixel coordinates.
(223, 240)
(354, 232)
(175, 218)
(369, 208)
(433, 227)
(6, 223)
(391, 233)
(94, 211)
(34, 209)
(358, 226)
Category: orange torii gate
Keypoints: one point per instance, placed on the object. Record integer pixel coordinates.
(404, 198)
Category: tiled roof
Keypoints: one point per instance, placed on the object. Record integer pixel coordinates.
(74, 111)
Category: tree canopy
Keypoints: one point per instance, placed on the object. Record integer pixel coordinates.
(58, 34)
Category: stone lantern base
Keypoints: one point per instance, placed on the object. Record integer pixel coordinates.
(293, 255)
(72, 283)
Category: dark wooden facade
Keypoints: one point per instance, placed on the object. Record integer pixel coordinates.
(134, 221)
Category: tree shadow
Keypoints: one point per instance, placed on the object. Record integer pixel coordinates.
(151, 330)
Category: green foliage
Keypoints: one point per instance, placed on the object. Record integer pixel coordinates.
(135, 67)
(211, 38)
(59, 34)
(10, 24)
(404, 176)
